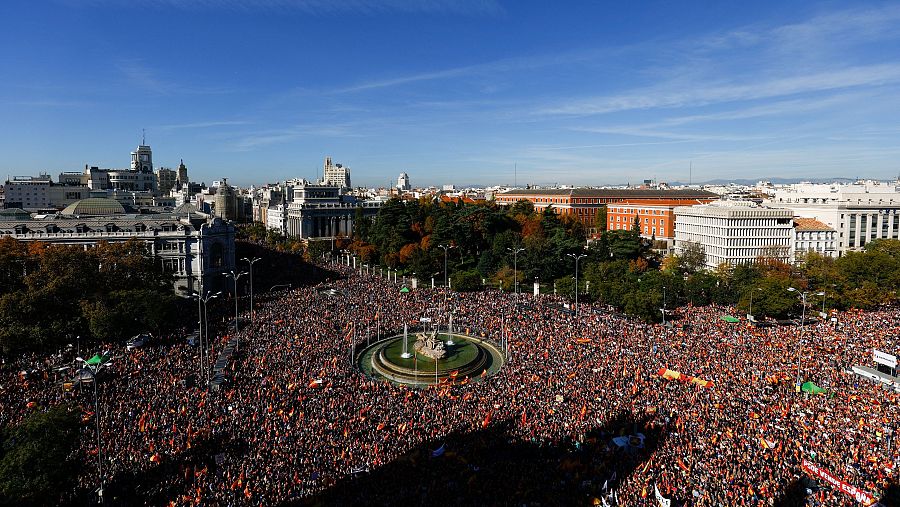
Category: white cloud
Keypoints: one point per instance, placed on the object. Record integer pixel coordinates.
(694, 94)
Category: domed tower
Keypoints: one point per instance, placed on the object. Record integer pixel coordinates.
(225, 202)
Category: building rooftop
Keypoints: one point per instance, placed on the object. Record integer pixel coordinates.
(659, 202)
(14, 214)
(810, 224)
(635, 193)
(94, 206)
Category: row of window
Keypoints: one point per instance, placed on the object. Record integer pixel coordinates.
(642, 211)
(647, 229)
(732, 223)
(84, 228)
(630, 219)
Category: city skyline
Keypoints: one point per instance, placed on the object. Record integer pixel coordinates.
(261, 91)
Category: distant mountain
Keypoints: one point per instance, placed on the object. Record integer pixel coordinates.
(777, 181)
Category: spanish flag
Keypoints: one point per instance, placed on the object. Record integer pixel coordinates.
(766, 444)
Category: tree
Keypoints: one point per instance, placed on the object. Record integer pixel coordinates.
(71, 291)
(771, 298)
(465, 281)
(600, 219)
(565, 287)
(36, 458)
(624, 244)
(522, 207)
(693, 257)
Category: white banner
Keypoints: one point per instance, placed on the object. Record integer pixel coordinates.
(663, 501)
(884, 358)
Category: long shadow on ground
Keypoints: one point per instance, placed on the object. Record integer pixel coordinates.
(169, 478)
(278, 268)
(795, 495)
(489, 467)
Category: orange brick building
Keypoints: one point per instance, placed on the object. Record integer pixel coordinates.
(585, 202)
(656, 216)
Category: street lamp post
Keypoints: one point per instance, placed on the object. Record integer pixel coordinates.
(88, 368)
(664, 306)
(577, 258)
(332, 233)
(203, 331)
(802, 329)
(515, 252)
(446, 249)
(251, 262)
(235, 276)
(750, 312)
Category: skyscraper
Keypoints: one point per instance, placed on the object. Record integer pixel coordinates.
(403, 183)
(336, 175)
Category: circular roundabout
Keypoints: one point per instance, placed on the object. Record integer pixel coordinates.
(422, 359)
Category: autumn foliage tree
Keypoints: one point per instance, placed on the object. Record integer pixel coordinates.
(50, 293)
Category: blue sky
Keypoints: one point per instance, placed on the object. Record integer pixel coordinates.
(581, 92)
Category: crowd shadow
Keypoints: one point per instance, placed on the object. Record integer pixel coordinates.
(799, 492)
(490, 467)
(278, 268)
(171, 477)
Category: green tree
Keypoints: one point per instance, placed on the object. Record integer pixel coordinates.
(693, 257)
(466, 281)
(771, 298)
(624, 244)
(565, 286)
(600, 219)
(36, 458)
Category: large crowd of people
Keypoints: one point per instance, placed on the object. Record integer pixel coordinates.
(297, 422)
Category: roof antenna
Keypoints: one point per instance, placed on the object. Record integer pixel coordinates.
(143, 137)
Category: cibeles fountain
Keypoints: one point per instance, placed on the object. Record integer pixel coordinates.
(430, 356)
(428, 345)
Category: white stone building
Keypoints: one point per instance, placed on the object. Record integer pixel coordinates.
(336, 175)
(322, 211)
(196, 248)
(859, 212)
(734, 232)
(811, 235)
(28, 192)
(275, 218)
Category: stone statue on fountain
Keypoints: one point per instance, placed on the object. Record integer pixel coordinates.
(428, 345)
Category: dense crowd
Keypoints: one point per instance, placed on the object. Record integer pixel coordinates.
(274, 434)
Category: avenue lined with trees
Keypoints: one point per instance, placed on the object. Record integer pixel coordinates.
(621, 269)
